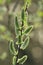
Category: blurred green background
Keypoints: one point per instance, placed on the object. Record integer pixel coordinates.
(35, 18)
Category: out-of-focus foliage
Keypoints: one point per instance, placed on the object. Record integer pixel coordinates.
(2, 2)
(2, 12)
(3, 56)
(36, 17)
(4, 34)
(2, 29)
(5, 1)
(8, 1)
(5, 37)
(40, 13)
(40, 8)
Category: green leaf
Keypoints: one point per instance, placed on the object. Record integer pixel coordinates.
(28, 30)
(12, 48)
(22, 16)
(16, 31)
(16, 22)
(16, 26)
(25, 44)
(14, 60)
(22, 60)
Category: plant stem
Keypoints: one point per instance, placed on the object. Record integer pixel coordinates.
(21, 37)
